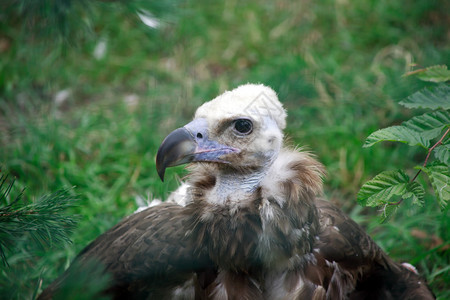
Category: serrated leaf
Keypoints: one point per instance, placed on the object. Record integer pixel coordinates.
(382, 188)
(397, 134)
(429, 125)
(387, 212)
(440, 179)
(442, 153)
(415, 191)
(434, 74)
(434, 98)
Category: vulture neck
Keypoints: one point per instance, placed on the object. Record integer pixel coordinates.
(234, 187)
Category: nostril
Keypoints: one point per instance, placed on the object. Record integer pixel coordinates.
(199, 135)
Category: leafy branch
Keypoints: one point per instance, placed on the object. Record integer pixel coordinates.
(42, 221)
(431, 150)
(420, 131)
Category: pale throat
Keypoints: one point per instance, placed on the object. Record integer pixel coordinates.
(233, 188)
(237, 187)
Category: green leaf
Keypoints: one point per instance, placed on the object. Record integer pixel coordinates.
(415, 191)
(434, 74)
(439, 175)
(387, 212)
(433, 98)
(429, 125)
(442, 153)
(397, 134)
(383, 187)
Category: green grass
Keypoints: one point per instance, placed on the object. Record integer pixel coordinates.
(336, 66)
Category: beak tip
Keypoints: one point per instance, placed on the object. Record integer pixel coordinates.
(161, 174)
(160, 166)
(176, 149)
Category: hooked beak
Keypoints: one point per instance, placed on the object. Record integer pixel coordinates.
(189, 144)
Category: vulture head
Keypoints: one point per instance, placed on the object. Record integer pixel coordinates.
(238, 134)
(240, 129)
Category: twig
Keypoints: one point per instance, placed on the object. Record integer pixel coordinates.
(425, 162)
(429, 152)
(18, 213)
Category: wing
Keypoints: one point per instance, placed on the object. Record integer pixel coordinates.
(351, 265)
(147, 255)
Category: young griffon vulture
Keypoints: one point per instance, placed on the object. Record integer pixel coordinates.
(252, 226)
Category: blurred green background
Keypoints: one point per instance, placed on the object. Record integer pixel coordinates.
(89, 90)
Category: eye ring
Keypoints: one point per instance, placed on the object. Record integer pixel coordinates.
(243, 126)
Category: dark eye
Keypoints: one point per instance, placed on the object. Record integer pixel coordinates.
(243, 126)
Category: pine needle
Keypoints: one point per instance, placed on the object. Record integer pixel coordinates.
(42, 221)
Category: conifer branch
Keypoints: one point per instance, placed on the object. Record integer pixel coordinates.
(42, 221)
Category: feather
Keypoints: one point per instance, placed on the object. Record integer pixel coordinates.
(147, 254)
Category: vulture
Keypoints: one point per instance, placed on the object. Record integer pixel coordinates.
(247, 223)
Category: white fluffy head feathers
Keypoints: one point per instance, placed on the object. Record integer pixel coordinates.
(255, 100)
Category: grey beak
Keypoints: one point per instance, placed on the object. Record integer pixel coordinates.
(189, 144)
(177, 148)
